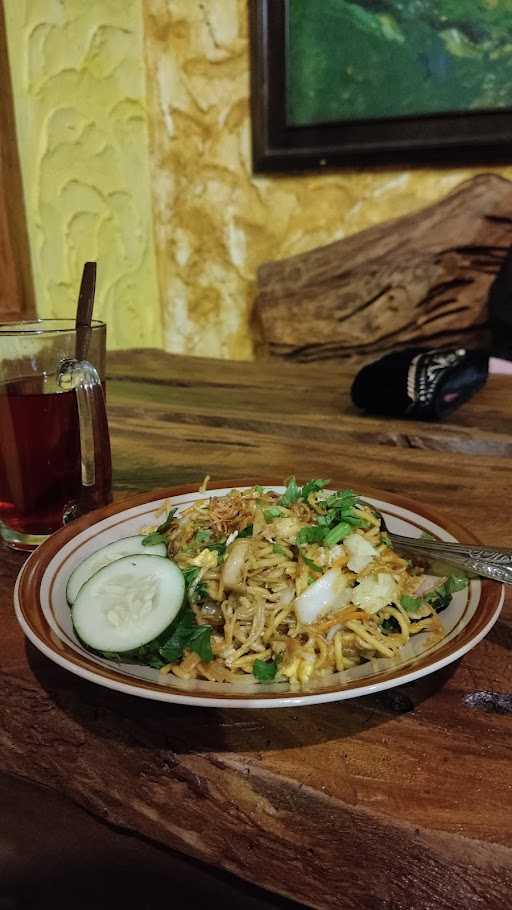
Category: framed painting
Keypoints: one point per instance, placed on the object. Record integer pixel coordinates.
(372, 82)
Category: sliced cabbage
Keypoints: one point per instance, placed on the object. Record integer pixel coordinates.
(375, 592)
(286, 528)
(329, 592)
(206, 559)
(334, 553)
(232, 570)
(361, 552)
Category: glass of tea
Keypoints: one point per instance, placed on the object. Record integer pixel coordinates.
(54, 444)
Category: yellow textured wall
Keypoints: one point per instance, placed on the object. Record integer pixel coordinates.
(215, 222)
(79, 87)
(134, 133)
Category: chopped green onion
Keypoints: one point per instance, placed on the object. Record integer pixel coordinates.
(343, 499)
(326, 519)
(313, 486)
(270, 514)
(280, 551)
(355, 521)
(291, 494)
(410, 604)
(264, 670)
(310, 534)
(341, 530)
(311, 564)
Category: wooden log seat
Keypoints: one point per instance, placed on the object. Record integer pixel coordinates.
(421, 279)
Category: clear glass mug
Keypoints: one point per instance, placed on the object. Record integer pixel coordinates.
(55, 461)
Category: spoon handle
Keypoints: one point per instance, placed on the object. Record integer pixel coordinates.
(84, 310)
(487, 561)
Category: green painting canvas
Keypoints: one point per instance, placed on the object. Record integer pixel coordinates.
(368, 59)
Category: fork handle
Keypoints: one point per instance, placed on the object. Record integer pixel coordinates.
(487, 561)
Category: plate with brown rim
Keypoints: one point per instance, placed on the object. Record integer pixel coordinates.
(43, 612)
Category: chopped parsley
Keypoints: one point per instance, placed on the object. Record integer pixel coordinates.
(195, 589)
(184, 632)
(390, 625)
(336, 517)
(157, 536)
(440, 597)
(187, 633)
(219, 547)
(151, 540)
(455, 583)
(204, 538)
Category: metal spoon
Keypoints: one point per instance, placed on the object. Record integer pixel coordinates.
(80, 375)
(84, 309)
(490, 562)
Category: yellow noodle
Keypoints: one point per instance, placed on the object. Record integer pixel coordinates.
(369, 639)
(338, 651)
(251, 618)
(402, 621)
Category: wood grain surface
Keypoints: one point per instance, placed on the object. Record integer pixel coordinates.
(399, 801)
(420, 279)
(17, 299)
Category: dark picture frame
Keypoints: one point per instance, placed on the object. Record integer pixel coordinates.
(277, 146)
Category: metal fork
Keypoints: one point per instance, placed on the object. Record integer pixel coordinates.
(490, 562)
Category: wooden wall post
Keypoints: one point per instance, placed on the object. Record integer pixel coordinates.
(17, 299)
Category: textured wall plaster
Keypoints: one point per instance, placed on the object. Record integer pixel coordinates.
(178, 235)
(215, 222)
(79, 86)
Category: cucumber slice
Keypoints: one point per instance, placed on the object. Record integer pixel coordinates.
(127, 546)
(128, 603)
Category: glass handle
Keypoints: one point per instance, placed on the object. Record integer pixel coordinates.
(83, 377)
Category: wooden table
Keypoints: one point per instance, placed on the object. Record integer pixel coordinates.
(401, 801)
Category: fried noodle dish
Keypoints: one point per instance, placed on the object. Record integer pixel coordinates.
(292, 586)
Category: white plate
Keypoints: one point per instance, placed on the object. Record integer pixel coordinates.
(43, 613)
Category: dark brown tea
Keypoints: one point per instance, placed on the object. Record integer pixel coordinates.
(40, 462)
